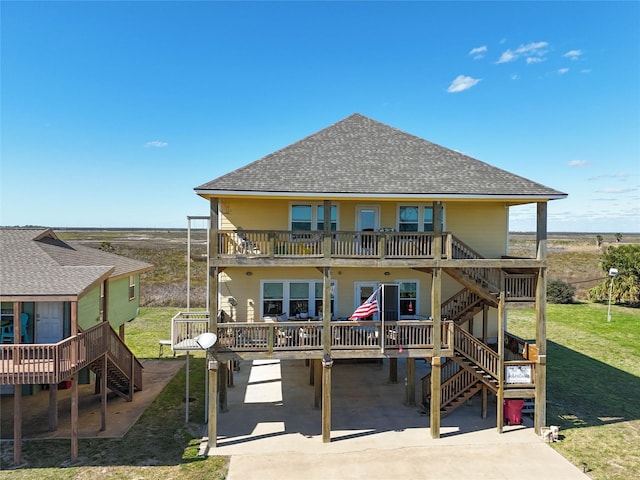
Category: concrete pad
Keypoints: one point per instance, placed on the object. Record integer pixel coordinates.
(374, 435)
(121, 415)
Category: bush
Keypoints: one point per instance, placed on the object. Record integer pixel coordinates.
(560, 292)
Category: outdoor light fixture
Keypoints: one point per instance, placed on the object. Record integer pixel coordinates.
(232, 301)
(206, 340)
(612, 273)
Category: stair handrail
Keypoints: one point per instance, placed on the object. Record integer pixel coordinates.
(455, 385)
(122, 357)
(476, 351)
(456, 305)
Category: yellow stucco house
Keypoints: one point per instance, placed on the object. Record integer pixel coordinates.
(302, 237)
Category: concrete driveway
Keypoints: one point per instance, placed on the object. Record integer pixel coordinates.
(272, 430)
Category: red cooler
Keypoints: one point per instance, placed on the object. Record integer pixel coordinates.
(513, 411)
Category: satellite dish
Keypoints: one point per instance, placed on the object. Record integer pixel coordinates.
(206, 340)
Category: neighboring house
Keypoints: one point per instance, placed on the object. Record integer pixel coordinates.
(302, 237)
(65, 299)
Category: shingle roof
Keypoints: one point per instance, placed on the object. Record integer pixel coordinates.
(36, 262)
(359, 156)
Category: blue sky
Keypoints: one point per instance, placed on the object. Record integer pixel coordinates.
(112, 112)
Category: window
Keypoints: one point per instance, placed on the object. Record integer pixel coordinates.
(408, 298)
(334, 217)
(298, 298)
(273, 298)
(416, 218)
(306, 217)
(293, 297)
(132, 287)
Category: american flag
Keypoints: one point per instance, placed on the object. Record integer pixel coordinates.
(368, 308)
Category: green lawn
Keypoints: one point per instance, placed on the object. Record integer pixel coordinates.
(593, 384)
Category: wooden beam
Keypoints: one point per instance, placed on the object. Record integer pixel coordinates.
(436, 361)
(541, 231)
(17, 424)
(223, 373)
(500, 393)
(485, 402)
(393, 370)
(434, 404)
(316, 367)
(327, 364)
(410, 388)
(540, 412)
(103, 394)
(212, 425)
(74, 418)
(121, 332)
(53, 407)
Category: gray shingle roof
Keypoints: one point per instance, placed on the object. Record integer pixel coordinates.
(359, 156)
(36, 262)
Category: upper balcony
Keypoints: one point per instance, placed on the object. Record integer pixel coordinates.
(353, 248)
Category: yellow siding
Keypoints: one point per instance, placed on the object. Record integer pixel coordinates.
(482, 226)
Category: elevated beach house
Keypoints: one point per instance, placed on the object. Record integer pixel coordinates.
(62, 304)
(361, 213)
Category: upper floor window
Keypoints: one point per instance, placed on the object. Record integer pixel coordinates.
(416, 218)
(294, 297)
(310, 216)
(132, 287)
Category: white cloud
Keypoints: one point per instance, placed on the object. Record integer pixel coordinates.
(562, 71)
(615, 190)
(585, 70)
(535, 60)
(533, 49)
(573, 54)
(478, 52)
(579, 163)
(515, 76)
(462, 83)
(156, 144)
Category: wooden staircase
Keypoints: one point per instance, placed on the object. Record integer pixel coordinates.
(473, 366)
(124, 370)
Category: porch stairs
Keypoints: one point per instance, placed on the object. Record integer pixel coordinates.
(473, 366)
(124, 370)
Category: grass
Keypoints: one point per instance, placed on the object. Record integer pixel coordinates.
(158, 446)
(593, 380)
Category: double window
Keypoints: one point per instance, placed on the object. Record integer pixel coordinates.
(293, 297)
(310, 216)
(416, 218)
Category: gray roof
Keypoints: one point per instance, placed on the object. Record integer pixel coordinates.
(35, 262)
(360, 156)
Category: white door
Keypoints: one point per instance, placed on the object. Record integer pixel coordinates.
(49, 321)
(367, 220)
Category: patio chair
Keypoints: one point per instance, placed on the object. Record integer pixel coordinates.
(7, 331)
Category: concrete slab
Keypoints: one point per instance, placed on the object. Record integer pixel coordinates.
(121, 415)
(273, 430)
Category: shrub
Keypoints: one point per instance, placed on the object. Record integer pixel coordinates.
(560, 292)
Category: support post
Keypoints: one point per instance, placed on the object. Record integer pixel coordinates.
(436, 360)
(317, 382)
(540, 412)
(410, 388)
(223, 373)
(103, 394)
(327, 364)
(212, 425)
(17, 423)
(434, 404)
(53, 407)
(485, 402)
(74, 418)
(500, 394)
(393, 370)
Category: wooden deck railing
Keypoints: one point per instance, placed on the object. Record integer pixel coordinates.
(51, 363)
(308, 335)
(344, 244)
(124, 359)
